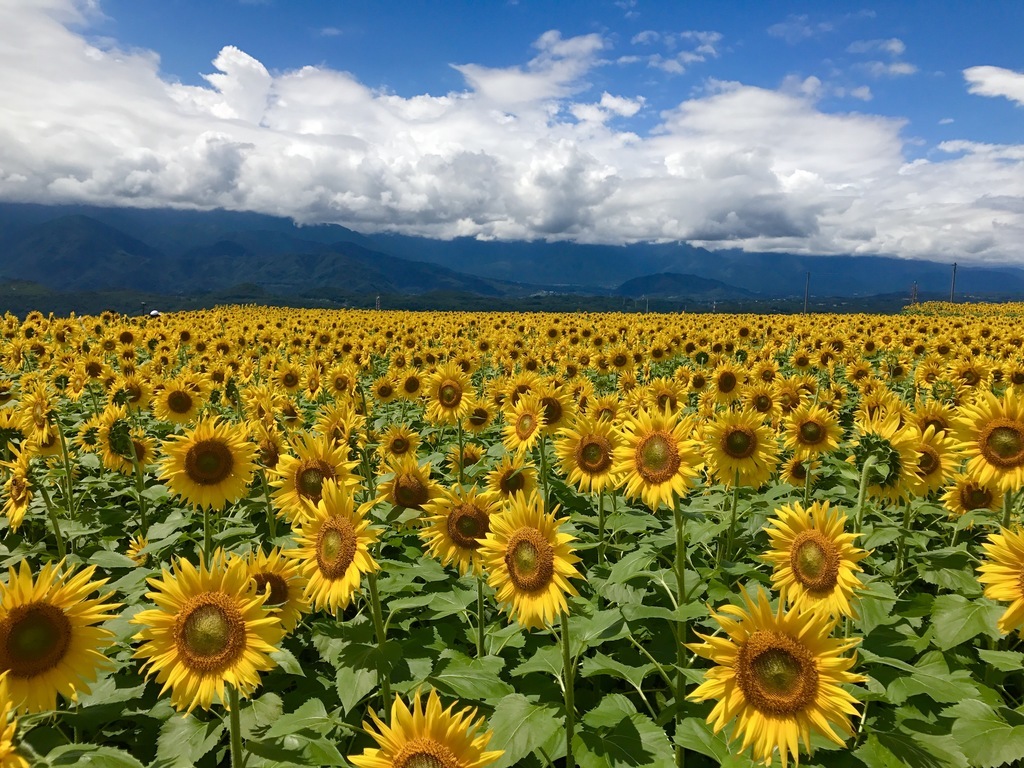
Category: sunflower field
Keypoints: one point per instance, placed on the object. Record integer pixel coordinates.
(256, 537)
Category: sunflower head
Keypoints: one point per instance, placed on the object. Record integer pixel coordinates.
(455, 525)
(210, 465)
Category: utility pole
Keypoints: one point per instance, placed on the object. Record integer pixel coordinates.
(913, 293)
(807, 288)
(952, 287)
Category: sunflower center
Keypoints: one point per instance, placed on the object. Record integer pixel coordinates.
(811, 433)
(275, 584)
(815, 562)
(411, 385)
(552, 410)
(1004, 444)
(512, 482)
(530, 560)
(399, 446)
(33, 639)
(478, 417)
(468, 525)
(335, 547)
(449, 394)
(927, 461)
(179, 402)
(976, 498)
(777, 674)
(411, 491)
(798, 470)
(739, 443)
(424, 752)
(209, 462)
(309, 480)
(209, 632)
(762, 403)
(727, 382)
(594, 454)
(657, 458)
(525, 425)
(290, 380)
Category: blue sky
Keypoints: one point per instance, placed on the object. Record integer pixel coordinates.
(889, 128)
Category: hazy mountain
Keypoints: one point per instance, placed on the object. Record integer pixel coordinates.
(672, 285)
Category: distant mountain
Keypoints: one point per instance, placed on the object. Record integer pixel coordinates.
(672, 285)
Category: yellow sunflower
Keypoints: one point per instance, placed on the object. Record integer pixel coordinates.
(779, 675)
(739, 447)
(48, 641)
(811, 430)
(179, 401)
(299, 479)
(17, 488)
(9, 757)
(524, 424)
(449, 394)
(991, 435)
(512, 475)
(479, 417)
(967, 495)
(893, 448)
(455, 524)
(529, 562)
(333, 552)
(210, 465)
(657, 460)
(209, 629)
(814, 558)
(397, 441)
(586, 452)
(279, 576)
(409, 486)
(936, 461)
(429, 737)
(1000, 574)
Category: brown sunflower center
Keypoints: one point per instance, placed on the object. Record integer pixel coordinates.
(1003, 443)
(739, 442)
(512, 481)
(179, 402)
(468, 525)
(594, 454)
(449, 394)
(399, 445)
(411, 385)
(530, 560)
(798, 470)
(275, 584)
(815, 562)
(552, 410)
(335, 547)
(411, 491)
(927, 461)
(209, 462)
(385, 390)
(269, 455)
(811, 433)
(525, 425)
(309, 479)
(478, 417)
(209, 632)
(34, 638)
(424, 752)
(727, 381)
(762, 403)
(290, 380)
(975, 497)
(777, 674)
(657, 458)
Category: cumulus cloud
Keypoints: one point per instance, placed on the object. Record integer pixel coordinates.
(797, 28)
(681, 49)
(892, 46)
(523, 151)
(996, 81)
(887, 68)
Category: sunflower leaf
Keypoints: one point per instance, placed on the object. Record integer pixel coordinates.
(957, 619)
(520, 727)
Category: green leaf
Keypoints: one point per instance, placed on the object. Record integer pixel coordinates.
(988, 740)
(547, 659)
(615, 734)
(599, 664)
(469, 678)
(696, 735)
(1004, 661)
(310, 716)
(104, 558)
(929, 677)
(287, 662)
(354, 685)
(957, 619)
(875, 607)
(91, 754)
(183, 740)
(520, 727)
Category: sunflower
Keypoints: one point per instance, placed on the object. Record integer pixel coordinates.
(606, 408)
(740, 449)
(726, 383)
(279, 577)
(333, 548)
(760, 397)
(793, 470)
(967, 495)
(814, 559)
(936, 461)
(893, 449)
(9, 758)
(529, 562)
(470, 454)
(1000, 574)
(811, 430)
(48, 641)
(512, 475)
(17, 488)
(410, 485)
(558, 407)
(657, 460)
(779, 675)
(933, 413)
(288, 377)
(384, 389)
(429, 737)
(179, 401)
(398, 440)
(300, 478)
(479, 417)
(210, 465)
(449, 394)
(524, 425)
(410, 385)
(991, 435)
(586, 452)
(455, 524)
(209, 628)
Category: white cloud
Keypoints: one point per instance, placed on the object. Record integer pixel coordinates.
(996, 81)
(521, 151)
(682, 49)
(892, 46)
(799, 27)
(329, 32)
(887, 68)
(946, 121)
(647, 37)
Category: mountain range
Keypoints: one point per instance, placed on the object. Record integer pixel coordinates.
(179, 252)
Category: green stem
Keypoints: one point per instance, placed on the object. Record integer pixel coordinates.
(544, 469)
(807, 482)
(600, 528)
(61, 551)
(68, 481)
(462, 476)
(480, 616)
(681, 601)
(568, 678)
(235, 729)
(207, 536)
(1007, 508)
(901, 547)
(862, 495)
(139, 486)
(732, 518)
(378, 628)
(271, 516)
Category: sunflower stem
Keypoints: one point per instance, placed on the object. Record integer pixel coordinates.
(544, 468)
(139, 487)
(378, 628)
(480, 616)
(732, 518)
(600, 527)
(807, 482)
(568, 675)
(1007, 508)
(68, 480)
(235, 729)
(54, 521)
(862, 495)
(682, 599)
(271, 516)
(901, 547)
(207, 536)
(462, 475)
